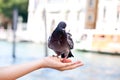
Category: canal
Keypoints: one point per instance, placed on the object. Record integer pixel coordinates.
(96, 66)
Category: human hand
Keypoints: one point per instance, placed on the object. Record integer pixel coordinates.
(58, 64)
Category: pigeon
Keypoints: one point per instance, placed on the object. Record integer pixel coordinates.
(61, 42)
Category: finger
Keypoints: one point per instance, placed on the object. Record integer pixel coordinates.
(75, 65)
(71, 67)
(71, 63)
(77, 62)
(68, 64)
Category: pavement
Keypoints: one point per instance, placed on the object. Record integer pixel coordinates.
(96, 66)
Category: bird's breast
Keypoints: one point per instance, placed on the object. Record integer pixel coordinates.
(56, 45)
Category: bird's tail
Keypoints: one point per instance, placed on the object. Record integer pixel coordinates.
(70, 54)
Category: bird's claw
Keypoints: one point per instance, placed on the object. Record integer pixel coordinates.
(55, 56)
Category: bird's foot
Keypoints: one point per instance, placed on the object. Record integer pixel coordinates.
(55, 56)
(63, 60)
(66, 60)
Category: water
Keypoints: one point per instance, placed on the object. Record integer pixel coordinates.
(96, 66)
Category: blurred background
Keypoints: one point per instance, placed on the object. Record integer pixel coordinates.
(25, 26)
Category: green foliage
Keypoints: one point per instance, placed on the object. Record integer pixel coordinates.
(7, 6)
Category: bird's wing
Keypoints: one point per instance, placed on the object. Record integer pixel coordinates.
(70, 41)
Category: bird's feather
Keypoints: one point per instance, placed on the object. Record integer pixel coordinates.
(60, 41)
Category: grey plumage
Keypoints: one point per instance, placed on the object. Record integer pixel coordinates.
(61, 42)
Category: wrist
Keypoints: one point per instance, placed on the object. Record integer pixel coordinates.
(42, 63)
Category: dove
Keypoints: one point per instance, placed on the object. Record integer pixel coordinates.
(61, 42)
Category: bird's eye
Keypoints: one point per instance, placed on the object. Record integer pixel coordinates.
(63, 29)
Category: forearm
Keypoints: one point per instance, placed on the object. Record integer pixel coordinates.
(16, 71)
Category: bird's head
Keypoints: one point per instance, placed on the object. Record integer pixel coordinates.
(62, 25)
